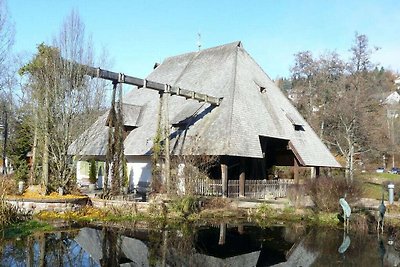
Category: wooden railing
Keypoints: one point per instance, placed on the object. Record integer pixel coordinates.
(253, 188)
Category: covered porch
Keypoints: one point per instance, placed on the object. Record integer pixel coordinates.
(237, 176)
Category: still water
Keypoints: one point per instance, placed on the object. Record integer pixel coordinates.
(216, 245)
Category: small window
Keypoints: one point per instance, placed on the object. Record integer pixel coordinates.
(262, 88)
(298, 127)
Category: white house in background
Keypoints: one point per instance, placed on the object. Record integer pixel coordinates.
(392, 99)
(397, 82)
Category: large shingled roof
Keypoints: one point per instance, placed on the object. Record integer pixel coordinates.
(252, 107)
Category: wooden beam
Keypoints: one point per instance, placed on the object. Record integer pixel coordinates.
(296, 154)
(242, 177)
(224, 180)
(173, 90)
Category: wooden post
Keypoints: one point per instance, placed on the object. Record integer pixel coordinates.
(167, 144)
(312, 173)
(242, 177)
(224, 179)
(315, 171)
(222, 234)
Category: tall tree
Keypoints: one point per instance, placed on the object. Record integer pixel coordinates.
(338, 99)
(63, 98)
(6, 41)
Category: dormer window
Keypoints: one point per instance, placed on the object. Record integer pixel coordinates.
(297, 123)
(131, 115)
(298, 127)
(261, 88)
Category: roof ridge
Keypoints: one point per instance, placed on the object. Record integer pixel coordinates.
(233, 96)
(232, 44)
(254, 61)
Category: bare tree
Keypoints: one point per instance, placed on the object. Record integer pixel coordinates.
(64, 98)
(337, 98)
(6, 41)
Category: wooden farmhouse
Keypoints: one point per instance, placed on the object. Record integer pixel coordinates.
(253, 128)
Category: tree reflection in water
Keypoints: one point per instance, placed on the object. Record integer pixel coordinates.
(210, 245)
(44, 249)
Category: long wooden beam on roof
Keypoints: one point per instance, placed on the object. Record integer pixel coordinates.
(173, 90)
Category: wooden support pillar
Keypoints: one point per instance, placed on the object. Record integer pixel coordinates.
(312, 173)
(296, 171)
(315, 171)
(224, 179)
(242, 177)
(222, 234)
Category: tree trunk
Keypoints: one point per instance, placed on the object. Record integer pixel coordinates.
(34, 150)
(167, 144)
(349, 174)
(45, 164)
(5, 137)
(45, 161)
(42, 250)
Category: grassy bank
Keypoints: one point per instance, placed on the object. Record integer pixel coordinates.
(26, 228)
(376, 183)
(187, 210)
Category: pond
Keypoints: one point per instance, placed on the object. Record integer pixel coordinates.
(212, 245)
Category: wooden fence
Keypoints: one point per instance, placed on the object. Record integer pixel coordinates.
(253, 188)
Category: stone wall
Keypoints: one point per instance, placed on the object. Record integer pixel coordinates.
(36, 206)
(137, 206)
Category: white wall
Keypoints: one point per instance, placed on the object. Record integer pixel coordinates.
(82, 173)
(139, 171)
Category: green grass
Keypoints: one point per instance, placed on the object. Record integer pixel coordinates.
(25, 229)
(372, 190)
(379, 177)
(373, 184)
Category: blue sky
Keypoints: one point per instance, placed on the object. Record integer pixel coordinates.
(139, 33)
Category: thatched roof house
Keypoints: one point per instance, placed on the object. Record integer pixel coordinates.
(255, 121)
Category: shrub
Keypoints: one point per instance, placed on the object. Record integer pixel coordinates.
(92, 171)
(325, 192)
(296, 195)
(8, 185)
(186, 205)
(264, 210)
(8, 213)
